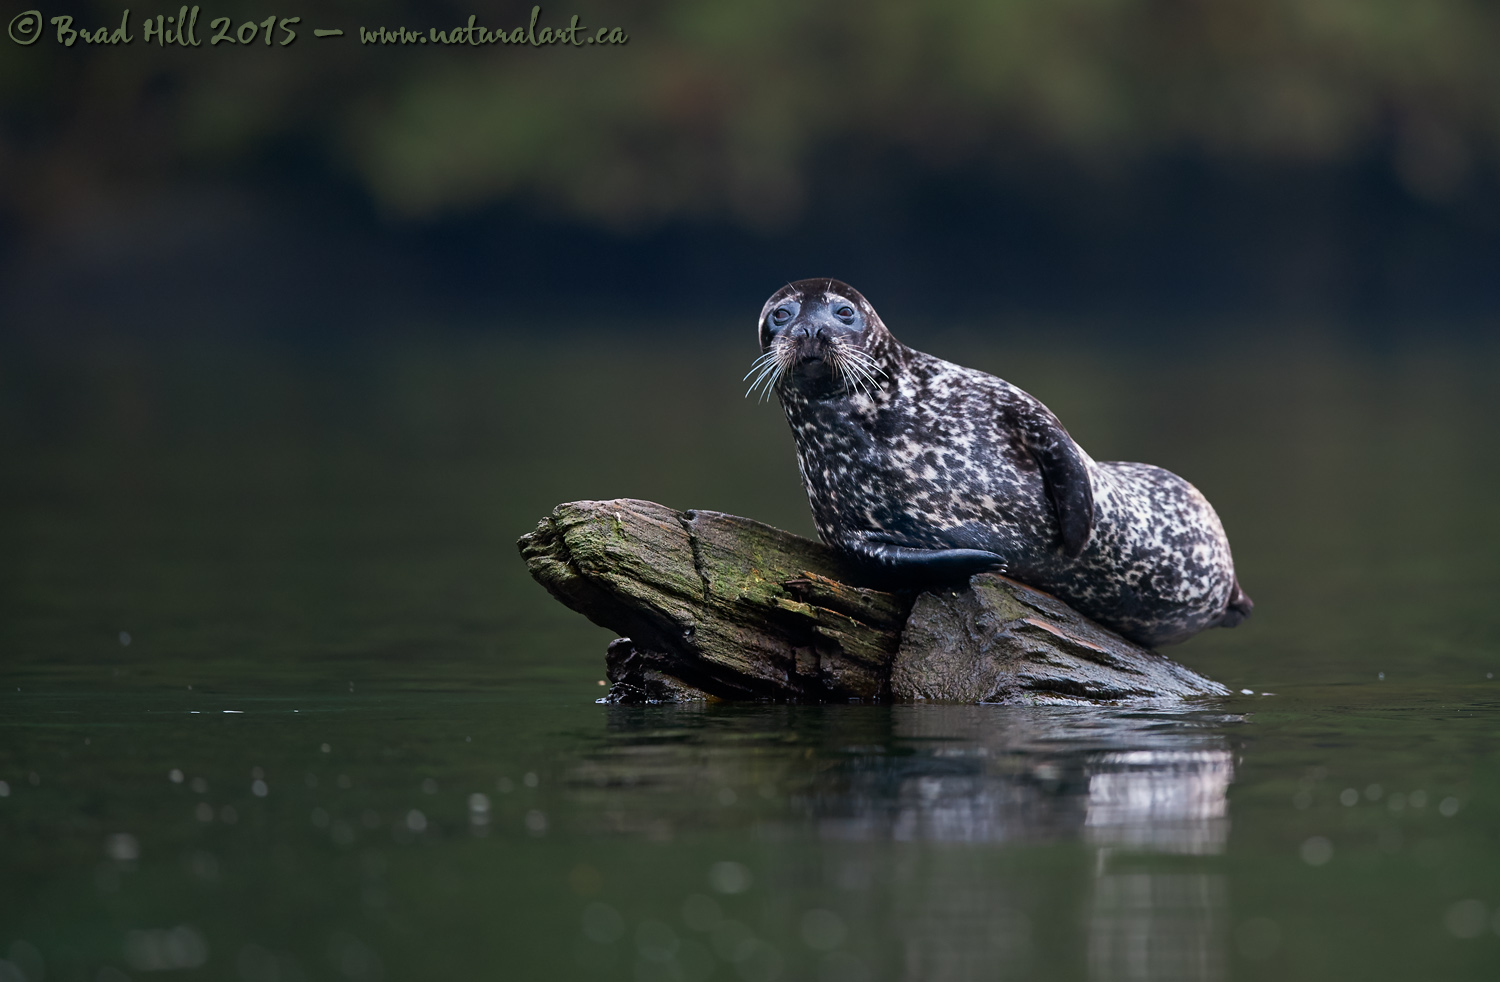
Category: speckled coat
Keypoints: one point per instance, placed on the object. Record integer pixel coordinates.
(934, 456)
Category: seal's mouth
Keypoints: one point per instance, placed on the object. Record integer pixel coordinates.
(814, 359)
(813, 351)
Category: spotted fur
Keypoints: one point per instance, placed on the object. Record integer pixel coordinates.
(924, 468)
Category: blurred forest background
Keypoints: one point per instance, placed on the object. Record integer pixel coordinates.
(1147, 163)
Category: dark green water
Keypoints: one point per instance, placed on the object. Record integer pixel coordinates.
(348, 738)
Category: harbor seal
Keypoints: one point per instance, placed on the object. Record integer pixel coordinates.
(921, 470)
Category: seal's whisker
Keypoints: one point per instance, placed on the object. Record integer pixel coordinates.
(857, 381)
(843, 367)
(761, 366)
(863, 359)
(771, 356)
(858, 375)
(854, 367)
(760, 379)
(771, 382)
(863, 381)
(841, 373)
(757, 383)
(768, 369)
(838, 362)
(855, 374)
(786, 357)
(860, 353)
(757, 365)
(767, 377)
(768, 358)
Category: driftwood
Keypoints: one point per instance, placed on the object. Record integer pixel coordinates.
(716, 606)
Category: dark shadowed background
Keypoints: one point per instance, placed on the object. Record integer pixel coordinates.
(295, 340)
(1133, 163)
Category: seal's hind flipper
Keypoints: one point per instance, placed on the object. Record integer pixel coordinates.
(1239, 607)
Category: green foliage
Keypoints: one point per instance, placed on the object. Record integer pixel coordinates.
(729, 109)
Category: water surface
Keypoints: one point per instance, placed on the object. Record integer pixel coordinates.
(278, 700)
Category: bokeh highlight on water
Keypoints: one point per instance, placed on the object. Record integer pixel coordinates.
(279, 702)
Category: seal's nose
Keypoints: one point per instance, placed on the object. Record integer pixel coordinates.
(815, 324)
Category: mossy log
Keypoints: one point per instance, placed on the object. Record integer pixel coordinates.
(717, 606)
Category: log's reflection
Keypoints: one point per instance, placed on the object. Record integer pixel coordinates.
(978, 837)
(970, 774)
(1153, 925)
(1174, 801)
(1150, 925)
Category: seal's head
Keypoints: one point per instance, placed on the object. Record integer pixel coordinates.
(820, 337)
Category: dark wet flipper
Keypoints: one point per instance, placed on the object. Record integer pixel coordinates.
(1238, 609)
(918, 564)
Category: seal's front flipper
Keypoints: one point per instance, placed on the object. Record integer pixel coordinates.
(918, 564)
(1066, 475)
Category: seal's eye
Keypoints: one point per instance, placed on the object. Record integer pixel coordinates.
(845, 311)
(781, 315)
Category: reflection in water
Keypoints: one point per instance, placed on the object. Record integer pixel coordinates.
(1149, 925)
(1173, 801)
(956, 923)
(1158, 926)
(1120, 785)
(1038, 776)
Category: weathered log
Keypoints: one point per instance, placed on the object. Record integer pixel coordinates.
(718, 606)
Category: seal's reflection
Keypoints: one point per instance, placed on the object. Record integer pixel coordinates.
(971, 837)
